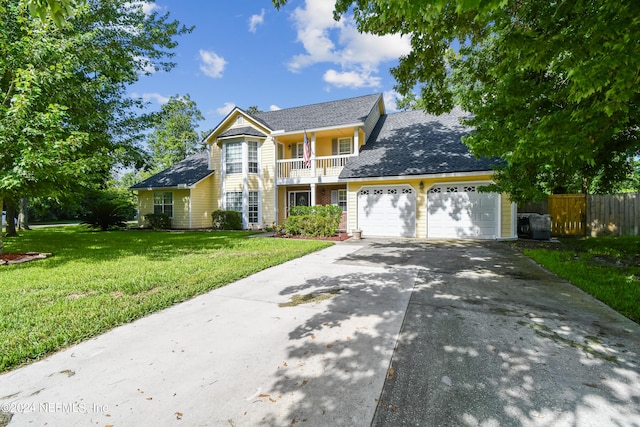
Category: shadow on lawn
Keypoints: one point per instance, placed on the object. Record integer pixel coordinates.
(77, 243)
(488, 338)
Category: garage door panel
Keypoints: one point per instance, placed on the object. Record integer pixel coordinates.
(460, 211)
(387, 211)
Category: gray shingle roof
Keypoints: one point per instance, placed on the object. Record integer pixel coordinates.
(187, 172)
(243, 131)
(414, 143)
(326, 114)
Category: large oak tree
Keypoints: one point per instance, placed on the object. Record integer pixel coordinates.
(553, 85)
(65, 116)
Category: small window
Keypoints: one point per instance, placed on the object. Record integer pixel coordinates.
(344, 146)
(163, 203)
(253, 157)
(234, 201)
(239, 120)
(253, 207)
(297, 150)
(339, 198)
(233, 157)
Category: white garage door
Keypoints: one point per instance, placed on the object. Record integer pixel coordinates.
(387, 211)
(460, 211)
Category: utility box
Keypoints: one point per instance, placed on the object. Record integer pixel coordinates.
(534, 226)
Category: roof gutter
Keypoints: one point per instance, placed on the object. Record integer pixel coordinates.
(296, 132)
(423, 176)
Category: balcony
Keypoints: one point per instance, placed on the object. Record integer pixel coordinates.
(321, 169)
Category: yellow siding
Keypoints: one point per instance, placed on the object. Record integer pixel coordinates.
(233, 182)
(282, 204)
(216, 185)
(180, 209)
(506, 215)
(202, 203)
(268, 161)
(145, 206)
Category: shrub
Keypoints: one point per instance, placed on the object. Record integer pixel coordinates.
(313, 221)
(158, 221)
(104, 214)
(227, 220)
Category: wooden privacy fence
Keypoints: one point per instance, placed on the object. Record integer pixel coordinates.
(613, 215)
(591, 215)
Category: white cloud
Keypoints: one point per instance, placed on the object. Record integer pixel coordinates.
(145, 64)
(339, 43)
(390, 99)
(274, 107)
(149, 97)
(212, 64)
(148, 8)
(352, 79)
(226, 108)
(256, 20)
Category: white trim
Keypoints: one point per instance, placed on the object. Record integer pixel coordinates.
(405, 185)
(514, 220)
(498, 207)
(296, 132)
(416, 177)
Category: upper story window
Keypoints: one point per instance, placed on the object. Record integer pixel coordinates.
(297, 150)
(253, 156)
(239, 120)
(233, 157)
(344, 146)
(163, 203)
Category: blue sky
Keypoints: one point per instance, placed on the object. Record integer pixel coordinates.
(247, 53)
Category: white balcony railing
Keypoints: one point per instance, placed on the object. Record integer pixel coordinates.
(320, 166)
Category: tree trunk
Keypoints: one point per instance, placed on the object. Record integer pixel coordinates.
(23, 214)
(11, 219)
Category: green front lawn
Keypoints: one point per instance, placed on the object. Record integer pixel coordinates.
(96, 281)
(606, 267)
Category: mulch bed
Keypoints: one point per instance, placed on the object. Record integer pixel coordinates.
(11, 258)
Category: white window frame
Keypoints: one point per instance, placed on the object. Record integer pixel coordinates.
(297, 150)
(349, 145)
(255, 161)
(164, 203)
(253, 207)
(231, 167)
(339, 198)
(233, 201)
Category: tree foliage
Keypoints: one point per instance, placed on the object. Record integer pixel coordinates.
(65, 117)
(175, 137)
(552, 85)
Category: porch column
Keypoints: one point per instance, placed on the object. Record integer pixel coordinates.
(356, 144)
(313, 156)
(313, 195)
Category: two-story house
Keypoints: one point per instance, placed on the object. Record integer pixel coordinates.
(405, 174)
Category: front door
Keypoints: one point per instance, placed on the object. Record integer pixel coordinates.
(299, 198)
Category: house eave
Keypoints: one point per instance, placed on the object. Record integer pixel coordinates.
(422, 176)
(320, 129)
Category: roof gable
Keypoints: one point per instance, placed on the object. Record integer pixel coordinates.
(415, 143)
(323, 115)
(186, 173)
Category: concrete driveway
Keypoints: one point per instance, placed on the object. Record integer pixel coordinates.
(410, 333)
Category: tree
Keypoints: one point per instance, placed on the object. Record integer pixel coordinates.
(552, 86)
(175, 137)
(65, 117)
